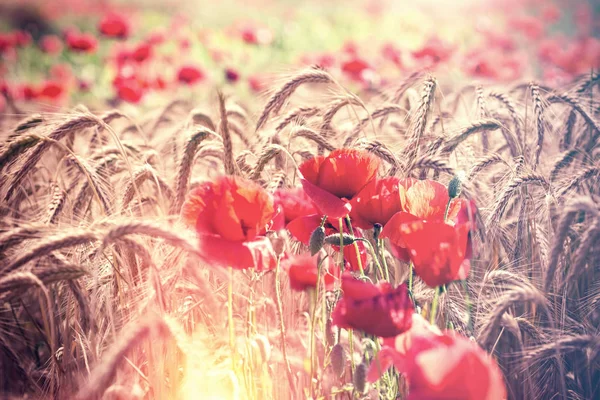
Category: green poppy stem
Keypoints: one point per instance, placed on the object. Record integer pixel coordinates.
(288, 369)
(360, 266)
(434, 306)
(230, 317)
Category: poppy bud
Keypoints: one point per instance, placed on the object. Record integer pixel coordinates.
(335, 239)
(338, 360)
(316, 241)
(454, 187)
(360, 377)
(377, 228)
(329, 336)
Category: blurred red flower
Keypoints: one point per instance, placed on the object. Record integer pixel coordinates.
(378, 310)
(303, 271)
(530, 26)
(190, 74)
(333, 180)
(51, 44)
(257, 83)
(436, 364)
(302, 227)
(52, 90)
(232, 75)
(378, 201)
(81, 42)
(114, 25)
(129, 90)
(551, 13)
(392, 53)
(294, 203)
(230, 216)
(141, 52)
(434, 50)
(256, 35)
(355, 67)
(28, 92)
(395, 350)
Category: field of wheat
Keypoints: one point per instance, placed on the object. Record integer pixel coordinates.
(190, 250)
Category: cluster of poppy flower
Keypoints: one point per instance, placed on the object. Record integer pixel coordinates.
(425, 223)
(135, 64)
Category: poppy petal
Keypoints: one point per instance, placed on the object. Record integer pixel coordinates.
(327, 203)
(257, 253)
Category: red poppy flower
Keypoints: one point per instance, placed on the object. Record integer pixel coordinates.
(114, 25)
(230, 215)
(437, 250)
(190, 74)
(141, 52)
(81, 42)
(7, 41)
(255, 35)
(303, 271)
(438, 364)
(333, 180)
(51, 90)
(231, 75)
(29, 92)
(391, 53)
(22, 38)
(295, 203)
(257, 83)
(355, 67)
(551, 13)
(129, 90)
(530, 26)
(302, 227)
(379, 200)
(395, 350)
(435, 50)
(377, 310)
(51, 44)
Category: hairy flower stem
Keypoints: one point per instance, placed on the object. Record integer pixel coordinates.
(375, 258)
(230, 318)
(288, 369)
(341, 257)
(360, 266)
(313, 324)
(447, 209)
(434, 305)
(381, 246)
(410, 278)
(469, 304)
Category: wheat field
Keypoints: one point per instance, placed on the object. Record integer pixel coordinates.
(105, 295)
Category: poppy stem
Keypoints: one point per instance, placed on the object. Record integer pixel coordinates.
(341, 245)
(288, 369)
(447, 209)
(434, 305)
(375, 258)
(360, 266)
(465, 285)
(410, 277)
(313, 324)
(230, 318)
(381, 248)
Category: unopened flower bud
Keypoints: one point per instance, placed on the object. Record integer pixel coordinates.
(338, 360)
(360, 378)
(454, 187)
(317, 239)
(335, 239)
(377, 228)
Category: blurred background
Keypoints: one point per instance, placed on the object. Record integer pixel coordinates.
(142, 52)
